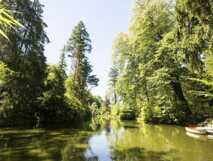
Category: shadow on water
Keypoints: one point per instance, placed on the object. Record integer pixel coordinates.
(41, 145)
(139, 154)
(111, 141)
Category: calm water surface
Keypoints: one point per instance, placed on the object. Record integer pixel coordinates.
(114, 141)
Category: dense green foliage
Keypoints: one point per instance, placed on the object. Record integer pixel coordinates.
(24, 51)
(164, 63)
(33, 93)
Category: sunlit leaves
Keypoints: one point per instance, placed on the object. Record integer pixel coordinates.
(5, 73)
(6, 21)
(164, 62)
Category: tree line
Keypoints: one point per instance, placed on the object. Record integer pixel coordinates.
(163, 66)
(33, 93)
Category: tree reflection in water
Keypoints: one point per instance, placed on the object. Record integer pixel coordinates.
(112, 141)
(130, 141)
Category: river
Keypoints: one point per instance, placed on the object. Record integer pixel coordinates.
(113, 141)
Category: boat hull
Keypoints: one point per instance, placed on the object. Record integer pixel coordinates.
(195, 130)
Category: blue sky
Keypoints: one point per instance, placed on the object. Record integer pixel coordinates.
(104, 19)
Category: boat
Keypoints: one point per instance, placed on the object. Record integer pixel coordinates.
(196, 130)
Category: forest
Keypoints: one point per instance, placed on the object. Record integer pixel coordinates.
(33, 93)
(162, 68)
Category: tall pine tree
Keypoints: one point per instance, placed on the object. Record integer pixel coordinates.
(24, 54)
(78, 46)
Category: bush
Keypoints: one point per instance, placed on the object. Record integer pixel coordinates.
(115, 110)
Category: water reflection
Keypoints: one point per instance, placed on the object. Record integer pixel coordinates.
(99, 147)
(42, 145)
(133, 142)
(111, 141)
